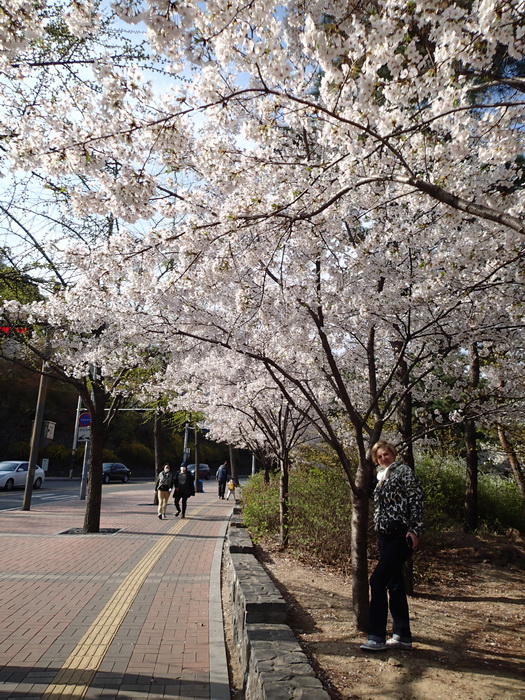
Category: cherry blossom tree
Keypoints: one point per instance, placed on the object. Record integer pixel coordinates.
(244, 408)
(419, 102)
(493, 402)
(50, 55)
(341, 189)
(84, 340)
(328, 320)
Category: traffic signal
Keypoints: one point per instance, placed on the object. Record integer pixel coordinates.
(6, 330)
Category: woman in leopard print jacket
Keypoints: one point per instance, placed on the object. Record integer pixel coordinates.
(398, 520)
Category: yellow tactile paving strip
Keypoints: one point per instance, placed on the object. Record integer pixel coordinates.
(75, 676)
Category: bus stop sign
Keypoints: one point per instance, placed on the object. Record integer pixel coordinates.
(84, 420)
(84, 426)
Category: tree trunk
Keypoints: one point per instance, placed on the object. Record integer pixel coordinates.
(157, 442)
(233, 465)
(405, 428)
(359, 558)
(360, 501)
(284, 512)
(404, 411)
(157, 447)
(267, 470)
(197, 458)
(94, 494)
(471, 481)
(514, 462)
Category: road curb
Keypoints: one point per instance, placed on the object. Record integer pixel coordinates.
(275, 666)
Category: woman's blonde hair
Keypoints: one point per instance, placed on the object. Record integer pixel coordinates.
(382, 444)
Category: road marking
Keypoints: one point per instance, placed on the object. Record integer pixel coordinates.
(41, 497)
(74, 678)
(55, 497)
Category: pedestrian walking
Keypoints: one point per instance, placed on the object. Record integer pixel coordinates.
(163, 487)
(222, 478)
(398, 521)
(230, 487)
(183, 488)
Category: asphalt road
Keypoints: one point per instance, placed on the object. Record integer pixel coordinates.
(56, 489)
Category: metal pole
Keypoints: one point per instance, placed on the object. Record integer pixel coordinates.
(253, 464)
(35, 437)
(85, 463)
(75, 438)
(87, 449)
(185, 449)
(197, 459)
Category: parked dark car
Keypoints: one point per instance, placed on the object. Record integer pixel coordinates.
(204, 470)
(115, 471)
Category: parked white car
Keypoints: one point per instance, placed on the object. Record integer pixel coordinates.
(14, 474)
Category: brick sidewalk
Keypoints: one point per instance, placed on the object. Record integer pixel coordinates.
(135, 614)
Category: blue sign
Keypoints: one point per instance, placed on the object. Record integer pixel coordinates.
(84, 420)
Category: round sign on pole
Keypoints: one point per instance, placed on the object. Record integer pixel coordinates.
(84, 420)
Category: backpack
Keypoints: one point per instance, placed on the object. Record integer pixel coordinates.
(165, 481)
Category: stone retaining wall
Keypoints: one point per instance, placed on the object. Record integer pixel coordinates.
(275, 666)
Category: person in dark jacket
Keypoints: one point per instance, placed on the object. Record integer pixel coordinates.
(163, 486)
(222, 478)
(183, 488)
(398, 521)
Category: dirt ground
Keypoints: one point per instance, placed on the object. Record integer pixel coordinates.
(468, 622)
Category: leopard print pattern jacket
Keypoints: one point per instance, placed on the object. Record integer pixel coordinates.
(399, 502)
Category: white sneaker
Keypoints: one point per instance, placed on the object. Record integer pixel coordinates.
(372, 645)
(395, 643)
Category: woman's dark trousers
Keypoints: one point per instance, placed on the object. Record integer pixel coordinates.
(388, 579)
(178, 498)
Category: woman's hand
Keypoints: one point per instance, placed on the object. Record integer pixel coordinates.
(413, 540)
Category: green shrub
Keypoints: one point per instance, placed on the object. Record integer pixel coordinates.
(443, 483)
(321, 514)
(499, 504)
(18, 450)
(59, 458)
(137, 456)
(320, 508)
(260, 506)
